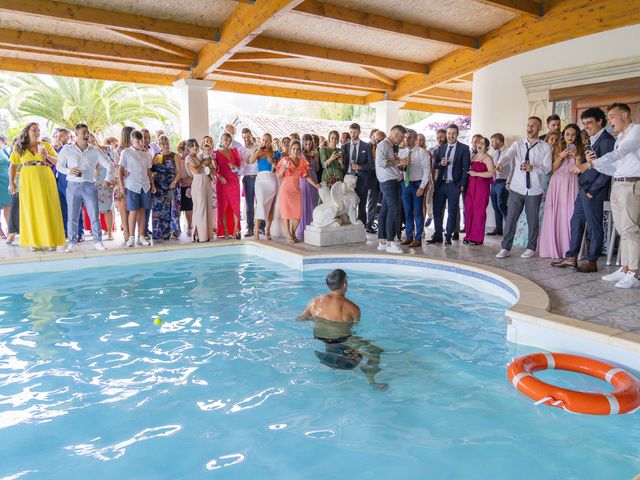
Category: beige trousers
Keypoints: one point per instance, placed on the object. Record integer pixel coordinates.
(625, 208)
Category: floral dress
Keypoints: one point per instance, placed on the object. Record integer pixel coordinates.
(165, 206)
(105, 195)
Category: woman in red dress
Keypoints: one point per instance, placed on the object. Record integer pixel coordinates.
(476, 196)
(228, 193)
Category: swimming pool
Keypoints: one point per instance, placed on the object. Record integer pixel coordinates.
(229, 385)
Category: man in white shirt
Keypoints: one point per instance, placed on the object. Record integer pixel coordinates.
(137, 186)
(499, 192)
(387, 163)
(249, 173)
(532, 159)
(416, 176)
(78, 162)
(623, 164)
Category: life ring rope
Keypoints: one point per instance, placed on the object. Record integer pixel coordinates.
(624, 399)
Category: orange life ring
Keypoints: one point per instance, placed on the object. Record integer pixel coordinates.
(625, 398)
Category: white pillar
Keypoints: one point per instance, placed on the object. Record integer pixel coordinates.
(194, 107)
(387, 114)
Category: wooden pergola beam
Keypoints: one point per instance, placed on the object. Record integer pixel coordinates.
(156, 43)
(243, 24)
(83, 71)
(107, 18)
(563, 20)
(446, 94)
(434, 108)
(54, 44)
(325, 11)
(259, 57)
(354, 58)
(282, 73)
(381, 76)
(520, 7)
(298, 94)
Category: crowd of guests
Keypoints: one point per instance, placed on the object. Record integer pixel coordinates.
(545, 191)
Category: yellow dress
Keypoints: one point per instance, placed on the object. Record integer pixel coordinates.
(40, 214)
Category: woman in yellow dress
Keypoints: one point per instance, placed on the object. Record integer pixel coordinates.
(40, 214)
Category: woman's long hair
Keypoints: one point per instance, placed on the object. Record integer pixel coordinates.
(22, 143)
(578, 142)
(125, 137)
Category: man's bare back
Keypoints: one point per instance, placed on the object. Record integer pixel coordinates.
(334, 307)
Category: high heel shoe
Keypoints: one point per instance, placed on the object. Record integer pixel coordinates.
(267, 234)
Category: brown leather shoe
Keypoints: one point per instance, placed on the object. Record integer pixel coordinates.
(415, 244)
(565, 262)
(587, 267)
(406, 242)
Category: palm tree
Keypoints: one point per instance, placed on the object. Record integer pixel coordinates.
(64, 102)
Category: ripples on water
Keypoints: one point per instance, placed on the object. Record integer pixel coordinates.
(228, 385)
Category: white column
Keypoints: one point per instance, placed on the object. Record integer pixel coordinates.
(194, 107)
(387, 114)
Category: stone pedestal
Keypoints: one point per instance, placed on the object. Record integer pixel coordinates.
(330, 236)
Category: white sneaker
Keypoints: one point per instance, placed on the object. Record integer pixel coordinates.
(629, 281)
(382, 247)
(504, 253)
(70, 248)
(131, 242)
(100, 246)
(394, 248)
(528, 253)
(143, 241)
(615, 276)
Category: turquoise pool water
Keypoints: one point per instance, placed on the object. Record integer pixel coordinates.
(229, 386)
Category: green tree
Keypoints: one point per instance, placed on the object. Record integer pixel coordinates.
(63, 102)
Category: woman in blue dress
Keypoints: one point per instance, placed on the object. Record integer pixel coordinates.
(165, 207)
(5, 196)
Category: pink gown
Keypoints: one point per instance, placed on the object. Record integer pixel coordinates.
(476, 199)
(228, 195)
(555, 234)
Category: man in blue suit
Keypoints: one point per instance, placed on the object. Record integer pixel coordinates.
(452, 162)
(594, 190)
(358, 160)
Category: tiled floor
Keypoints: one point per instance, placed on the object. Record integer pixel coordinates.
(582, 296)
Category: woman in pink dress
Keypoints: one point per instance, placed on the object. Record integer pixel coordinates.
(291, 169)
(563, 190)
(229, 192)
(476, 196)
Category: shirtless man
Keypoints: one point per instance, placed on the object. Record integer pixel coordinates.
(334, 317)
(334, 306)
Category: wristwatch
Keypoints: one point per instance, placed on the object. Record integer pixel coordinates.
(589, 165)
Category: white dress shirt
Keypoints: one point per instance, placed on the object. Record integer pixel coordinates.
(420, 166)
(540, 159)
(450, 155)
(385, 154)
(506, 169)
(245, 154)
(624, 160)
(86, 160)
(137, 163)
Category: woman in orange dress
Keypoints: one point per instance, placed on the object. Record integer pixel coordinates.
(291, 169)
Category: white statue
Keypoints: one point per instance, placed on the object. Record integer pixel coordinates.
(339, 205)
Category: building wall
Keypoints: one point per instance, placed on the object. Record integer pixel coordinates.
(501, 99)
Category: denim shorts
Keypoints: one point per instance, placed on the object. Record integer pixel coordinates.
(136, 201)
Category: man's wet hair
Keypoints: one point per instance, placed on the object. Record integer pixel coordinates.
(336, 279)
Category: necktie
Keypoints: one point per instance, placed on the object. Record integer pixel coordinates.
(527, 162)
(407, 172)
(354, 155)
(449, 164)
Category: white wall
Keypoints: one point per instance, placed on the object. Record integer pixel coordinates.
(500, 102)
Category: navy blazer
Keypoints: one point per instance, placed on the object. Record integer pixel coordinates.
(461, 165)
(364, 159)
(592, 181)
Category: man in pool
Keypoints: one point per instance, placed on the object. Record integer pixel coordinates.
(334, 316)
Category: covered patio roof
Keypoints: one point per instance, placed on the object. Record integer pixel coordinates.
(421, 52)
